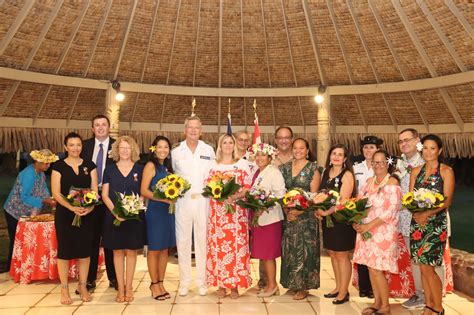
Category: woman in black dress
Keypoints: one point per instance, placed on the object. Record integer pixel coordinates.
(340, 239)
(123, 177)
(73, 242)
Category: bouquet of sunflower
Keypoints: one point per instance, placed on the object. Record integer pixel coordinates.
(81, 197)
(128, 207)
(297, 199)
(422, 199)
(220, 187)
(257, 200)
(350, 212)
(171, 188)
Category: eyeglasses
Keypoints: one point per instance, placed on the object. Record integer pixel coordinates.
(378, 163)
(243, 140)
(283, 138)
(407, 140)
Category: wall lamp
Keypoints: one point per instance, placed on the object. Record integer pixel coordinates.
(116, 86)
(319, 98)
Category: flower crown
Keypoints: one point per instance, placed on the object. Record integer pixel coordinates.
(44, 156)
(262, 147)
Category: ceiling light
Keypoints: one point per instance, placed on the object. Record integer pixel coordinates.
(116, 86)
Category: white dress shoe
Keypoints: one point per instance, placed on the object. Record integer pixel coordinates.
(183, 291)
(202, 290)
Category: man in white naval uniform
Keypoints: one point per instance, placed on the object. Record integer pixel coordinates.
(191, 160)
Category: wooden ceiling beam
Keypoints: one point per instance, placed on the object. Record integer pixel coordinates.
(145, 59)
(370, 58)
(346, 61)
(16, 25)
(454, 9)
(171, 60)
(62, 58)
(314, 41)
(32, 54)
(426, 60)
(398, 63)
(89, 61)
(123, 43)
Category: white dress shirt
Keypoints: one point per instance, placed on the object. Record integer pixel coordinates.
(362, 173)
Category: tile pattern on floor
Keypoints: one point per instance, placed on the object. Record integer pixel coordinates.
(43, 298)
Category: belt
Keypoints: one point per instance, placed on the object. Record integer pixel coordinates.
(196, 196)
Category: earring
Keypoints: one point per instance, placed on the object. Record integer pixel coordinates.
(330, 163)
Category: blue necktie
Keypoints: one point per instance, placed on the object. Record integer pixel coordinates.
(99, 161)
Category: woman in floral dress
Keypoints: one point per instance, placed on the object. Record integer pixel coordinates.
(300, 258)
(428, 229)
(380, 252)
(228, 254)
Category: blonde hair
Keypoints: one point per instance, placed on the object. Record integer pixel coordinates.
(219, 156)
(135, 154)
(188, 119)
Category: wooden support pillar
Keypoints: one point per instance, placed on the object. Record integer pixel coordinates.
(323, 136)
(112, 111)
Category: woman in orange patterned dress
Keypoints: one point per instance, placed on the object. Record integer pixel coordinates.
(228, 255)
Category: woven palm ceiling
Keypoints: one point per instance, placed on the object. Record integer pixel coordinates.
(240, 44)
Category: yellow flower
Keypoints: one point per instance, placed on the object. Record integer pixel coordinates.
(350, 205)
(429, 196)
(439, 197)
(441, 205)
(90, 197)
(292, 193)
(178, 183)
(152, 148)
(216, 191)
(69, 196)
(172, 177)
(408, 198)
(171, 192)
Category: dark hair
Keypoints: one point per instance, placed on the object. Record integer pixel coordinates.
(284, 127)
(71, 135)
(100, 116)
(347, 166)
(306, 143)
(391, 167)
(438, 141)
(414, 132)
(152, 156)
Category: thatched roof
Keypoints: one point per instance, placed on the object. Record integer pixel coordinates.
(242, 44)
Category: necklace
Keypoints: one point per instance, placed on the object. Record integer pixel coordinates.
(381, 184)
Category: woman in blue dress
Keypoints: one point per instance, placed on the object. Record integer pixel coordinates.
(124, 177)
(160, 223)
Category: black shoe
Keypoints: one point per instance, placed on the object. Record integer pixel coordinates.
(331, 295)
(113, 284)
(344, 300)
(370, 295)
(90, 287)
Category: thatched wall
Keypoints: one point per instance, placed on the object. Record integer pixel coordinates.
(26, 139)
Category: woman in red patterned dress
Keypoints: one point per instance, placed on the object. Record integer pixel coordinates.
(228, 255)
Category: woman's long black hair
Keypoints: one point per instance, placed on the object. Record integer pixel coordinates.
(152, 156)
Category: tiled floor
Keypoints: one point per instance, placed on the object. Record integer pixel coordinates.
(43, 298)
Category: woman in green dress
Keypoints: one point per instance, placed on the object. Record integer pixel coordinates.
(300, 260)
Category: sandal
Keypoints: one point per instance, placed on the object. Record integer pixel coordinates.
(435, 311)
(129, 295)
(85, 297)
(166, 293)
(221, 293)
(234, 294)
(300, 295)
(120, 298)
(67, 300)
(159, 297)
(370, 310)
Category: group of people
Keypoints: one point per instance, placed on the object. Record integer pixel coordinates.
(224, 242)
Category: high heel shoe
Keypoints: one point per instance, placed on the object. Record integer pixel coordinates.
(166, 294)
(344, 300)
(435, 311)
(159, 297)
(330, 295)
(263, 294)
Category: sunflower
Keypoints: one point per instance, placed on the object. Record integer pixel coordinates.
(439, 197)
(216, 191)
(172, 177)
(350, 205)
(408, 198)
(171, 192)
(90, 197)
(178, 184)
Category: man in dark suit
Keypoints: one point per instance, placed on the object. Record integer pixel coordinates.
(96, 149)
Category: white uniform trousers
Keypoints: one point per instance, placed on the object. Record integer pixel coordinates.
(191, 215)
